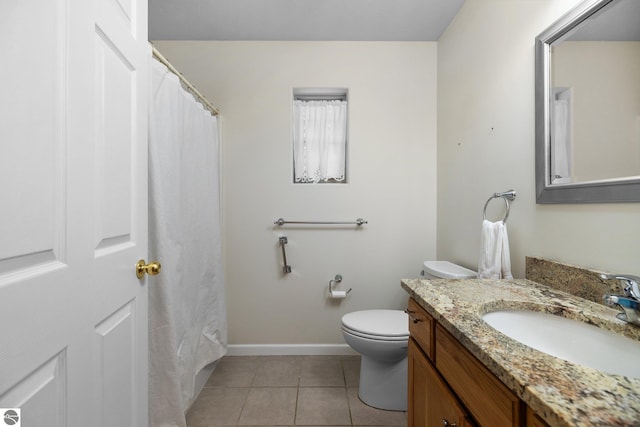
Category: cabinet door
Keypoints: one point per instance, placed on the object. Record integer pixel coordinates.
(431, 403)
(490, 402)
(533, 420)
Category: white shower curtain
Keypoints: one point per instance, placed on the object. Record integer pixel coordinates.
(561, 143)
(187, 313)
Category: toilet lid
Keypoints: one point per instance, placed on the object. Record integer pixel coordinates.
(377, 323)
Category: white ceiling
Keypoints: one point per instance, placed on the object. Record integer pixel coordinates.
(303, 20)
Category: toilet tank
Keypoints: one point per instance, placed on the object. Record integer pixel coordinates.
(446, 270)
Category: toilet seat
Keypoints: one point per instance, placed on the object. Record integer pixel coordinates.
(383, 325)
(374, 337)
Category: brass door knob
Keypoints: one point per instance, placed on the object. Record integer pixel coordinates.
(151, 269)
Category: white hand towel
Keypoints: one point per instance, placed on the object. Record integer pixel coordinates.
(495, 261)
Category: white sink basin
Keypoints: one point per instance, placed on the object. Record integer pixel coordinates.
(570, 340)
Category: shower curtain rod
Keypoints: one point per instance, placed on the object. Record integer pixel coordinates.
(190, 87)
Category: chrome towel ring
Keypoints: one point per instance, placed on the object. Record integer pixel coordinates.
(506, 196)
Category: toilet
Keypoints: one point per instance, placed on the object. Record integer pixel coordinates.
(381, 337)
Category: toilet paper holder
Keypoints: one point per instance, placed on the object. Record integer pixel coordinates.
(335, 281)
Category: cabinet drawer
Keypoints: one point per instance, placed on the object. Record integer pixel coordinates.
(421, 328)
(489, 401)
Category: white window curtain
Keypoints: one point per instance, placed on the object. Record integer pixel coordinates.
(319, 140)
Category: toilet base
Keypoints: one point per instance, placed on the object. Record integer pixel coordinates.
(383, 385)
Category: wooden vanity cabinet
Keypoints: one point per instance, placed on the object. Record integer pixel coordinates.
(448, 384)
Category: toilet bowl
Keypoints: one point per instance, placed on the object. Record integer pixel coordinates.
(381, 338)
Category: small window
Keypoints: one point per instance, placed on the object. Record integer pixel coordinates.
(319, 135)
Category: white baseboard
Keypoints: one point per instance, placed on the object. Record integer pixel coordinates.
(290, 350)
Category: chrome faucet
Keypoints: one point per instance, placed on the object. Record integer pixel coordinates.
(629, 303)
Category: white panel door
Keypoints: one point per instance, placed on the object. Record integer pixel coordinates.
(73, 211)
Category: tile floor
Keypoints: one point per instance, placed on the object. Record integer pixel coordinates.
(287, 391)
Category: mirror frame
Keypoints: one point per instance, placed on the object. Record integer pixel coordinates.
(606, 191)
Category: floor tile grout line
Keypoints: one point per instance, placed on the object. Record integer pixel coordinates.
(243, 404)
(346, 392)
(295, 413)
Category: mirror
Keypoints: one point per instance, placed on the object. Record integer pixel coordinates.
(588, 105)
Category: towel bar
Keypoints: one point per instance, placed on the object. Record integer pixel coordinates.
(357, 222)
(506, 196)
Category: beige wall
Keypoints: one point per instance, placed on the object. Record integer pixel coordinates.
(486, 144)
(392, 180)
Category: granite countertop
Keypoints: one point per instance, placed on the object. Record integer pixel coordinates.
(560, 392)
